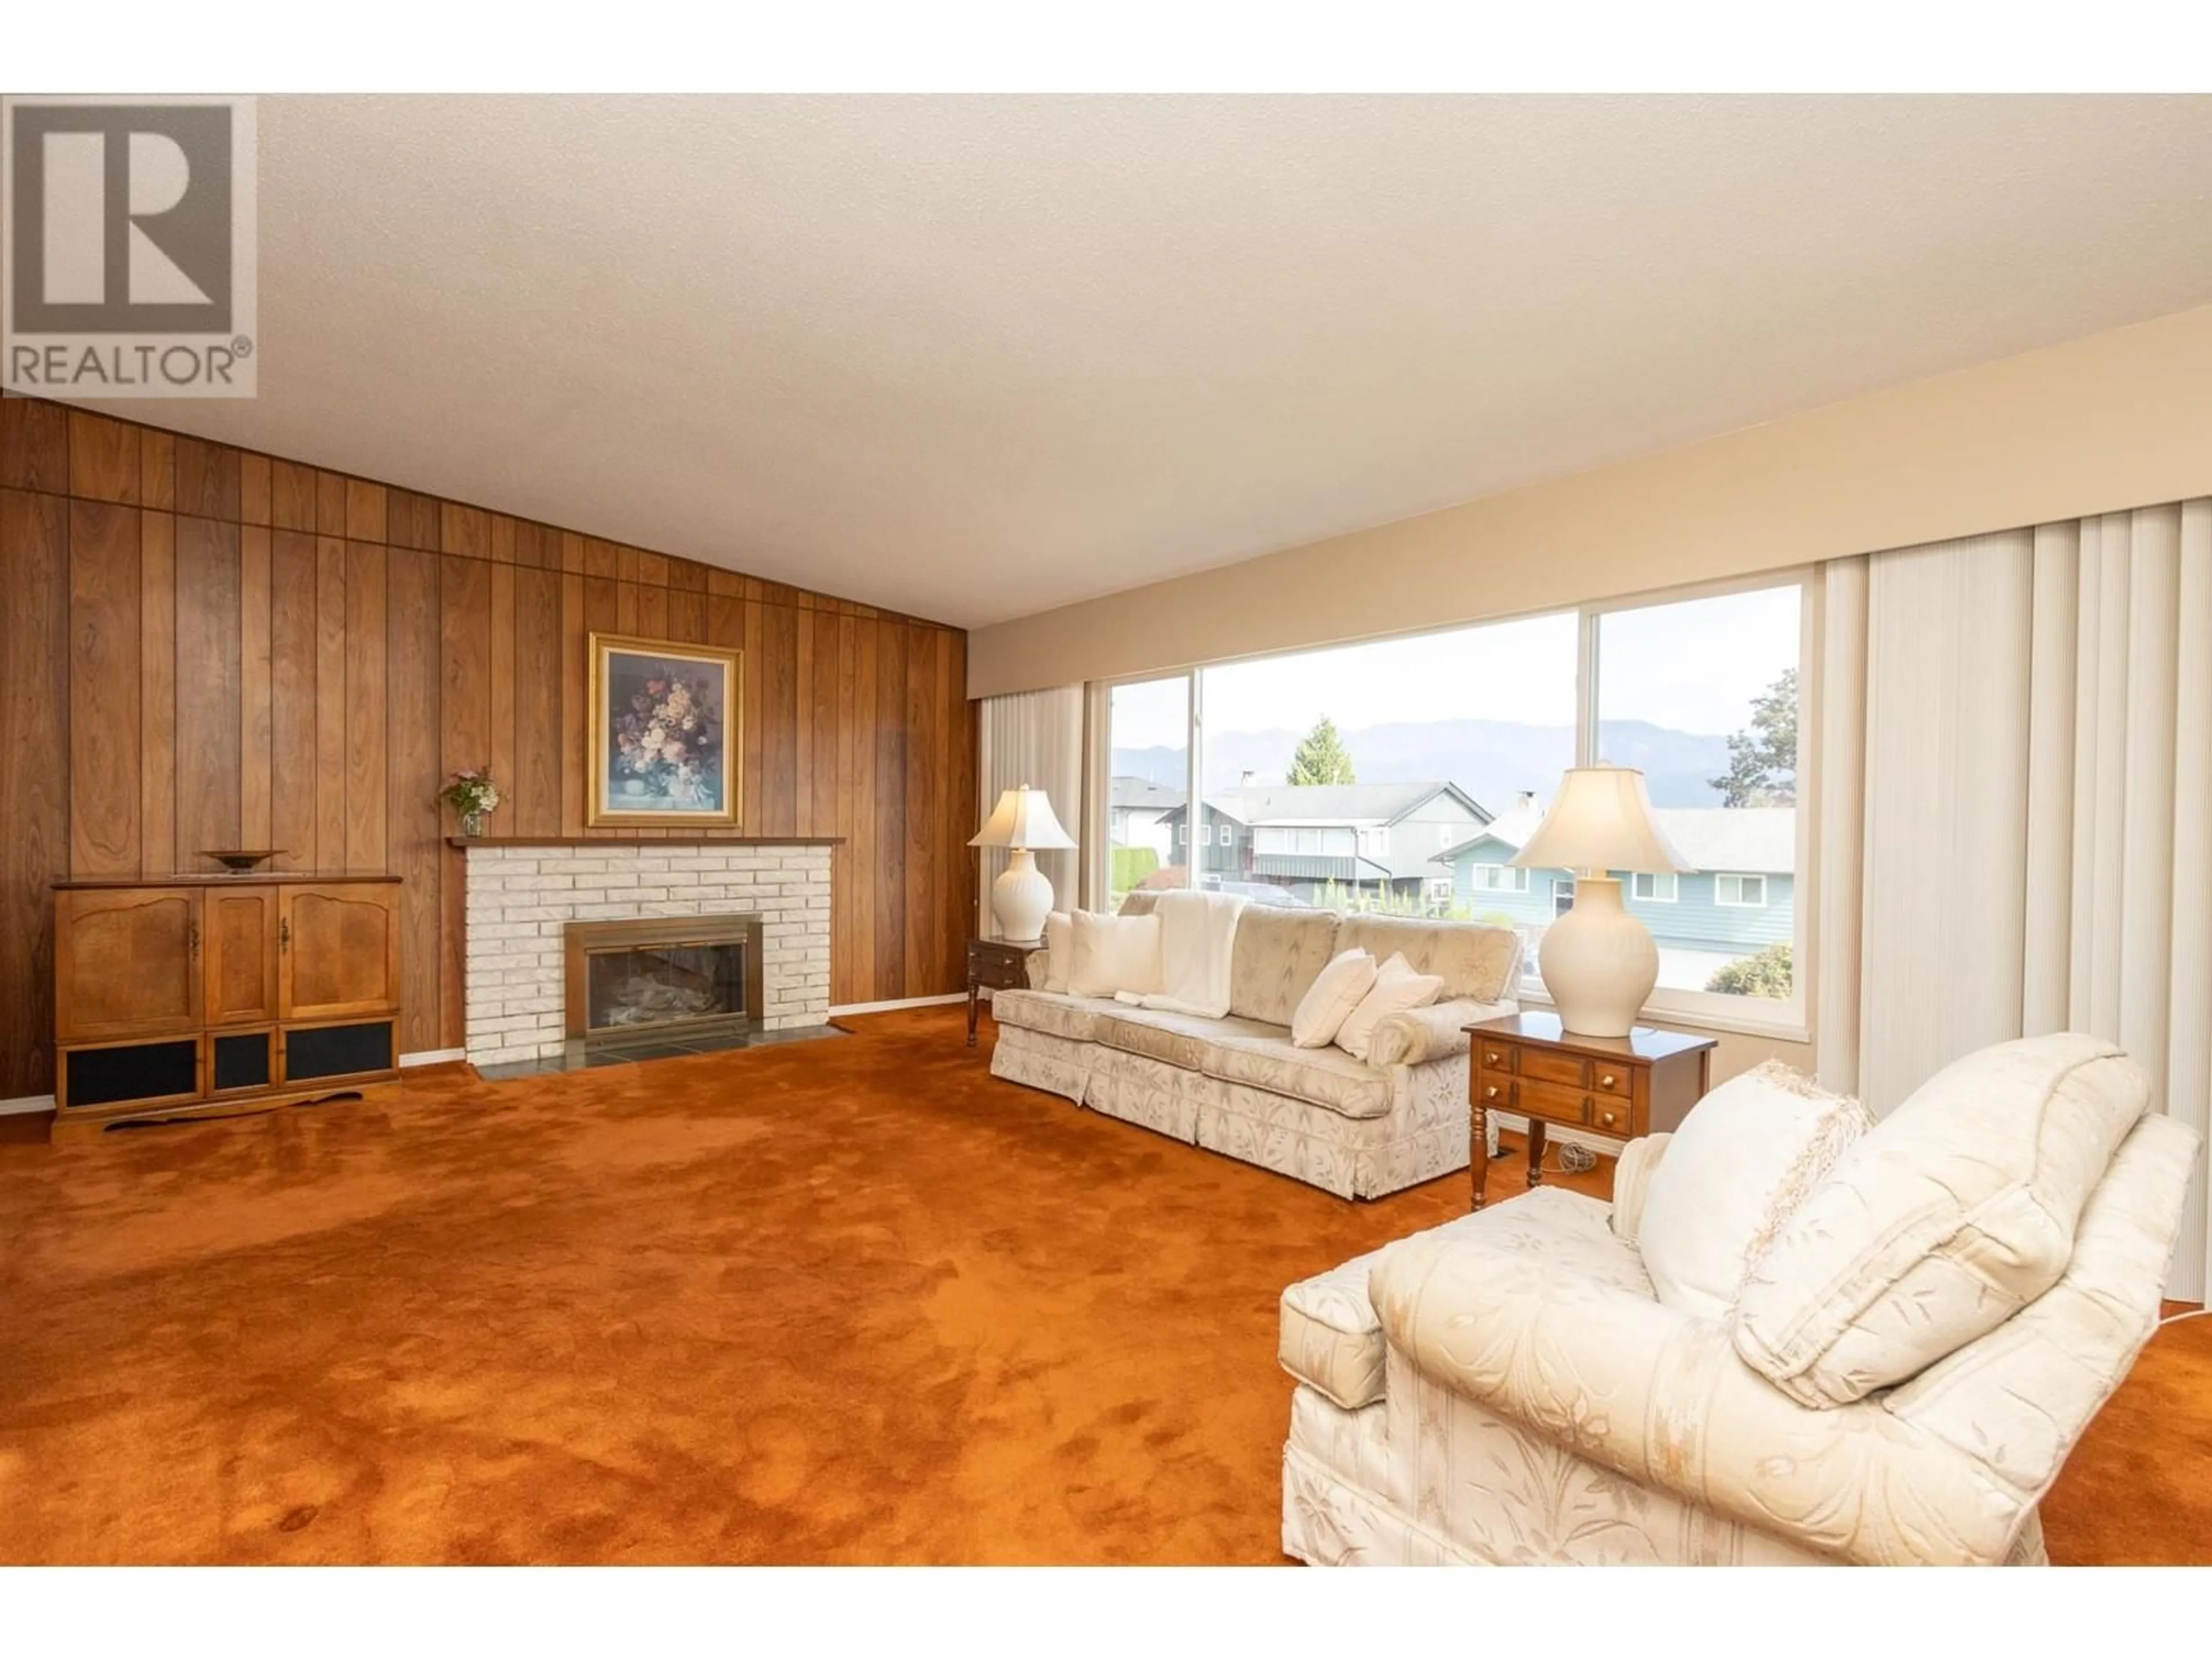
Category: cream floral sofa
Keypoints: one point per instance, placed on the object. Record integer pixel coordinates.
(1358, 1128)
(1506, 1388)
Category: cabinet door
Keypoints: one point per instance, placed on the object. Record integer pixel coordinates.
(338, 949)
(126, 962)
(239, 940)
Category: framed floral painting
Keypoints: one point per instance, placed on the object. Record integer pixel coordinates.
(667, 725)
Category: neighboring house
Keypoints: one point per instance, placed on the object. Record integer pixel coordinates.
(1738, 898)
(1136, 807)
(1361, 839)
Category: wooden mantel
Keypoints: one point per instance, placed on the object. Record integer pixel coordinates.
(466, 842)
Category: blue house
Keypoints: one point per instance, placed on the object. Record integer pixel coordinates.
(1738, 899)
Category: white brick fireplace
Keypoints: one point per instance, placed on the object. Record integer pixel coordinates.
(521, 897)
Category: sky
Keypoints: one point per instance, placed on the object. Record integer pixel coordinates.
(1693, 665)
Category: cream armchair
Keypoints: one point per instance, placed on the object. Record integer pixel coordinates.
(1507, 1389)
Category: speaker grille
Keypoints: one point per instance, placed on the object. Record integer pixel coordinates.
(337, 1051)
(137, 1071)
(241, 1061)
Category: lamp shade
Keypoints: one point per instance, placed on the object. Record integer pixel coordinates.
(1023, 818)
(1601, 820)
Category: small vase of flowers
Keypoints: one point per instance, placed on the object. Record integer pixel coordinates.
(473, 795)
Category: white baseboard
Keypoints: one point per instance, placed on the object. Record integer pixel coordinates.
(903, 1002)
(433, 1057)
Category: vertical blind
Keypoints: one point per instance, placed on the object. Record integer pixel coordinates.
(2030, 793)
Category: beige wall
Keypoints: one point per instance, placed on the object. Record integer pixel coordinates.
(1740, 1052)
(2119, 419)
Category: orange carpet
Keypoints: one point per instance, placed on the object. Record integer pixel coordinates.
(844, 1301)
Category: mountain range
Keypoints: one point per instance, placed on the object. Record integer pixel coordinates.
(1492, 761)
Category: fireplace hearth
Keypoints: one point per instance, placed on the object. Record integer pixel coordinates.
(661, 978)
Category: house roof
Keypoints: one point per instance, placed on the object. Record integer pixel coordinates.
(1756, 838)
(1373, 804)
(1753, 838)
(1143, 792)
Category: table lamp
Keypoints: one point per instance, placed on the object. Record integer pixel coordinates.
(1021, 898)
(1599, 962)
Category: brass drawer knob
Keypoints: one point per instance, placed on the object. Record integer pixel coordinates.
(1607, 1081)
(1607, 1120)
(1489, 1092)
(1493, 1058)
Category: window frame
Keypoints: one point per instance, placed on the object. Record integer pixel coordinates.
(1674, 894)
(1739, 876)
(1515, 880)
(1789, 1020)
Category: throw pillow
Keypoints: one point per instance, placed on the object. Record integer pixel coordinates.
(1059, 949)
(1114, 953)
(1396, 988)
(1342, 985)
(1946, 1219)
(1743, 1160)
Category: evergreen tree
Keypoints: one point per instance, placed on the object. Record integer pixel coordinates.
(1763, 757)
(1322, 757)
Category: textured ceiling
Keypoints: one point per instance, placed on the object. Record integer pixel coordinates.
(974, 358)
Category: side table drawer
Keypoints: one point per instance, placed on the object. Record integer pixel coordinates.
(1611, 1116)
(1567, 1071)
(1554, 1102)
(998, 968)
(1492, 1056)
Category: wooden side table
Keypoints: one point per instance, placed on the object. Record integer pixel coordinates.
(1002, 965)
(1621, 1087)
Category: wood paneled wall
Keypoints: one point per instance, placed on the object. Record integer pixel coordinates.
(202, 648)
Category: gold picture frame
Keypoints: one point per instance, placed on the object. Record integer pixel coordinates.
(665, 733)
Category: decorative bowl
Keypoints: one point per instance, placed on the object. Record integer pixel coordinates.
(241, 861)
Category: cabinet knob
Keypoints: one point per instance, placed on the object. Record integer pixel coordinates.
(1607, 1120)
(1490, 1091)
(284, 935)
(1606, 1082)
(1491, 1058)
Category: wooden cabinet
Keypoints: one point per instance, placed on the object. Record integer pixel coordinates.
(337, 950)
(239, 930)
(1618, 1087)
(192, 994)
(126, 962)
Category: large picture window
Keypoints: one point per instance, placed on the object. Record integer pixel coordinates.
(1353, 779)
(1402, 777)
(1702, 694)
(1146, 837)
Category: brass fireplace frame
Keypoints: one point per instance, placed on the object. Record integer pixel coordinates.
(582, 940)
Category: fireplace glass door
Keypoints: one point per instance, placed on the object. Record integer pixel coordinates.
(651, 986)
(661, 976)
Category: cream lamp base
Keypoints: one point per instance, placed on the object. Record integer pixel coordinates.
(1021, 898)
(1598, 962)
